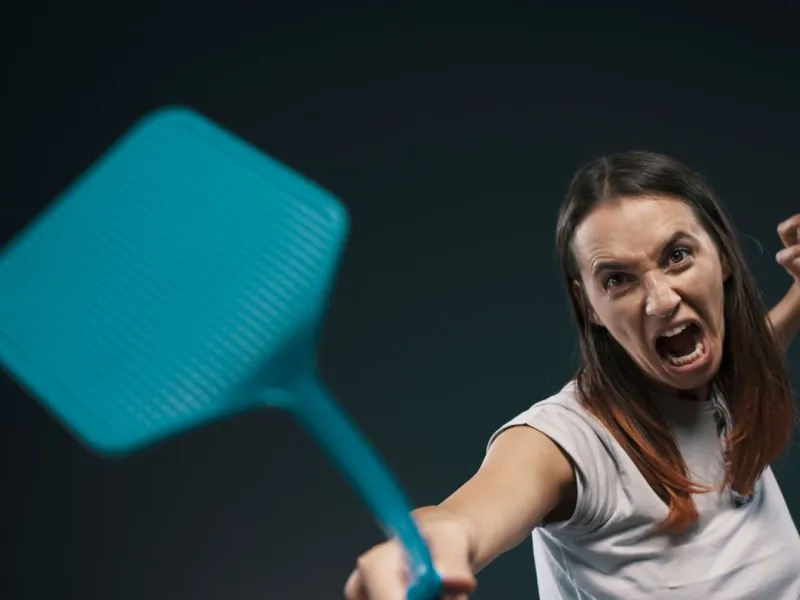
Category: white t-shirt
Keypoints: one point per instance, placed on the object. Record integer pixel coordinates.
(608, 548)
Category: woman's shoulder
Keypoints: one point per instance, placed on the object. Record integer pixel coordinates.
(567, 397)
(564, 402)
(560, 415)
(564, 419)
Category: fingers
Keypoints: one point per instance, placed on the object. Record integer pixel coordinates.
(382, 572)
(450, 550)
(789, 231)
(789, 259)
(379, 575)
(353, 590)
(789, 256)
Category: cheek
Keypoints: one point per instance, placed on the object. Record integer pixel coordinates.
(707, 284)
(704, 290)
(622, 319)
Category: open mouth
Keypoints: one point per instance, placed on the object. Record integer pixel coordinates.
(683, 345)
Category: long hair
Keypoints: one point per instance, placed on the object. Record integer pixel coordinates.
(752, 376)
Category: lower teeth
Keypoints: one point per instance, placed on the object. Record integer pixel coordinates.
(687, 358)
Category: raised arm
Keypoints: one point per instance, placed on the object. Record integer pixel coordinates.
(785, 317)
(524, 477)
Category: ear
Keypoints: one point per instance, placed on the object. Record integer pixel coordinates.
(726, 268)
(584, 304)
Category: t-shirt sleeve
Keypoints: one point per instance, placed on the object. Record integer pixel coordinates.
(595, 471)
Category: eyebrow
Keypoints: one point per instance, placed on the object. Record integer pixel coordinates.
(614, 265)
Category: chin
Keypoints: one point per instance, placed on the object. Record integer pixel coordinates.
(689, 384)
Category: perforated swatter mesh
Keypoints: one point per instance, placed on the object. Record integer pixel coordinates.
(162, 279)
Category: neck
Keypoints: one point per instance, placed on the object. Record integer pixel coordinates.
(699, 394)
(696, 395)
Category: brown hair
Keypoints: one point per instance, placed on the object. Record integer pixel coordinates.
(752, 376)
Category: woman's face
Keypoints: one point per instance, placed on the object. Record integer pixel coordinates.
(654, 279)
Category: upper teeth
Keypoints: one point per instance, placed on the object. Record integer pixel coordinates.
(675, 331)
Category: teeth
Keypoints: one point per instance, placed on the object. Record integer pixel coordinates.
(675, 331)
(686, 359)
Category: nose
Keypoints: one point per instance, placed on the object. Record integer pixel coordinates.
(662, 300)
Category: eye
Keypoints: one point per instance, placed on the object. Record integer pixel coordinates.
(679, 255)
(614, 280)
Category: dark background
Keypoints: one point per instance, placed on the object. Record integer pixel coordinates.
(451, 134)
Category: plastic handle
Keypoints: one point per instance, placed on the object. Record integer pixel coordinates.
(326, 421)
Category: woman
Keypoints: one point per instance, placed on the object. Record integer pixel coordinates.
(647, 475)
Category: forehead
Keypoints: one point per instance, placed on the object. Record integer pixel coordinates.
(632, 228)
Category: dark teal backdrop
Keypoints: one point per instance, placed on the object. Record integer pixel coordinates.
(451, 136)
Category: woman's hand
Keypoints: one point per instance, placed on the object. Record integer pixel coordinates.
(789, 256)
(785, 315)
(380, 573)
